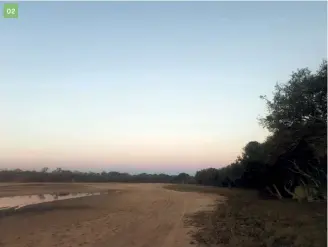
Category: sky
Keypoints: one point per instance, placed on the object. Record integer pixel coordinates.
(146, 86)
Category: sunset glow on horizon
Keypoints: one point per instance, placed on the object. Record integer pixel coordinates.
(141, 87)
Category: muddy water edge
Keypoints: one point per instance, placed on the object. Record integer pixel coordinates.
(17, 204)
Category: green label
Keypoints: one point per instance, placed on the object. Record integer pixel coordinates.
(10, 10)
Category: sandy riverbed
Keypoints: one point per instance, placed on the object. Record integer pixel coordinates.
(136, 215)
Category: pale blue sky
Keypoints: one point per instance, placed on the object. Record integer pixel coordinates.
(146, 86)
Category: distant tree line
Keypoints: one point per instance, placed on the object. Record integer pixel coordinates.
(60, 175)
(293, 158)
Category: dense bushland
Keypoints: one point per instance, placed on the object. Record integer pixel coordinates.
(293, 159)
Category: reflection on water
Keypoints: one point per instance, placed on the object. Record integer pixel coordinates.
(22, 201)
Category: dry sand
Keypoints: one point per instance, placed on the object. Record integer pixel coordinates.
(136, 215)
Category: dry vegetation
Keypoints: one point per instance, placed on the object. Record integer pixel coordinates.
(246, 220)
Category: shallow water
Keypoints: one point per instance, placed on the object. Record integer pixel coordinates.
(22, 201)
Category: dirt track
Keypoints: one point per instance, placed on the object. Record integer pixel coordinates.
(136, 215)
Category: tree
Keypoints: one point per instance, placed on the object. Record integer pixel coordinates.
(298, 110)
(297, 120)
(182, 178)
(299, 102)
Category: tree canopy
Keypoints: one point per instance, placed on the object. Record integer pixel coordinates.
(295, 152)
